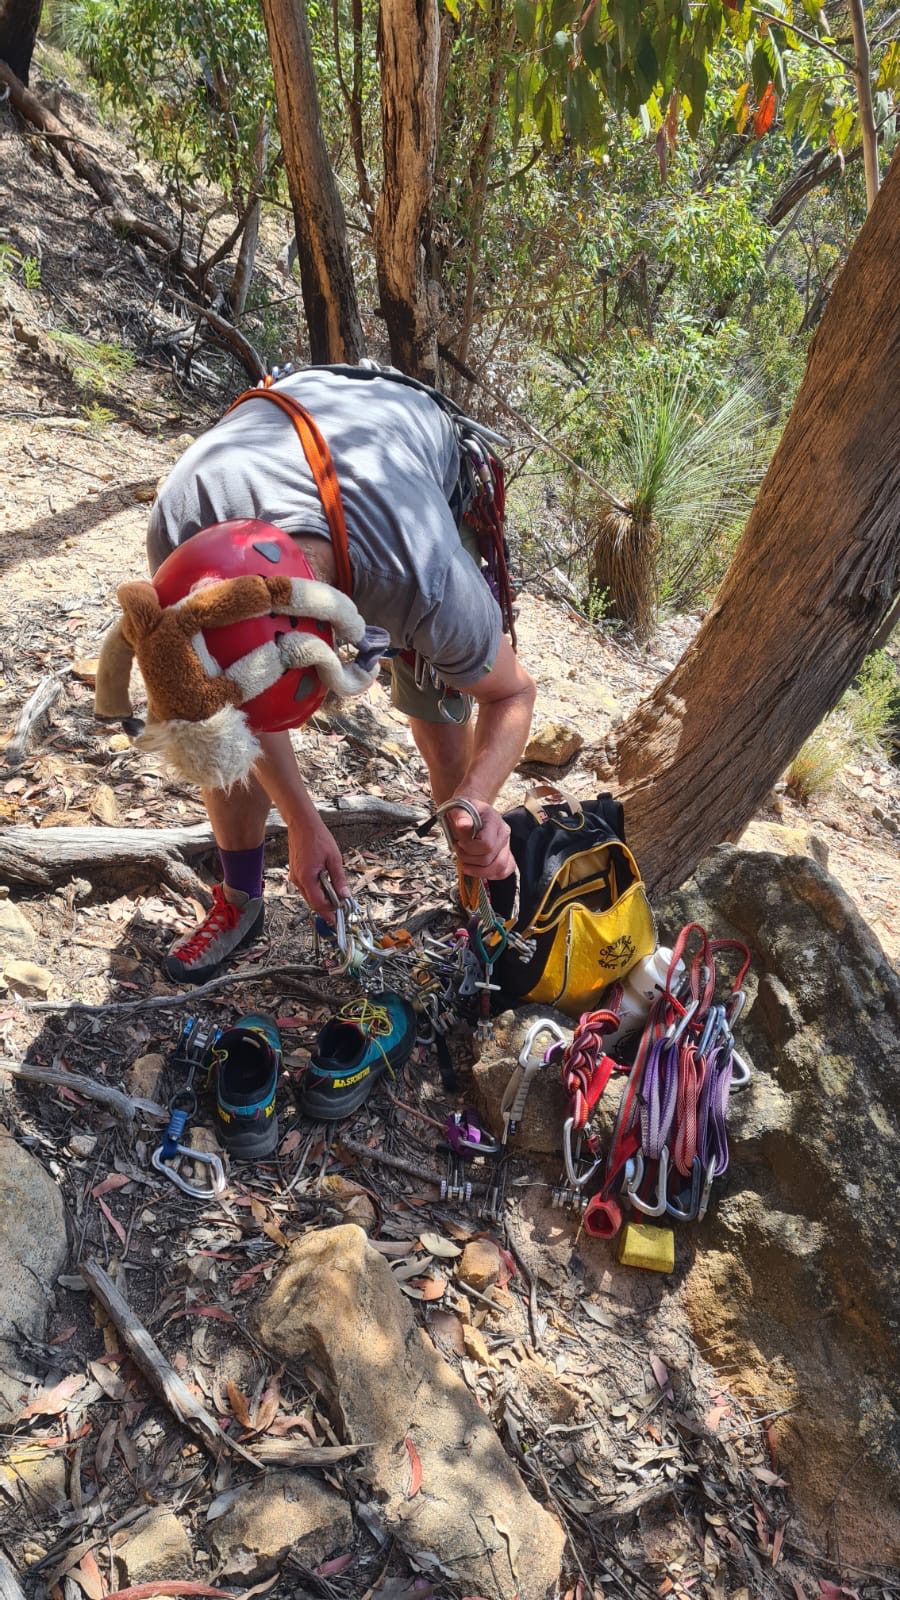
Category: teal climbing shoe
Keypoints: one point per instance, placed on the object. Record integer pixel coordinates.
(368, 1036)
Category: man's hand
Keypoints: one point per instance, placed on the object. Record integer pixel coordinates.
(485, 854)
(311, 850)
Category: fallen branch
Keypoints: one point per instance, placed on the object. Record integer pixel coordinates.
(291, 1453)
(227, 334)
(121, 1105)
(146, 1354)
(189, 997)
(32, 714)
(9, 1584)
(43, 856)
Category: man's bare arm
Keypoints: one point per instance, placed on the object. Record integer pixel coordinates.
(311, 847)
(505, 699)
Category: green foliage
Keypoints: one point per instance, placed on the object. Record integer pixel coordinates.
(873, 701)
(195, 79)
(819, 761)
(12, 260)
(864, 717)
(577, 64)
(96, 365)
(686, 466)
(97, 416)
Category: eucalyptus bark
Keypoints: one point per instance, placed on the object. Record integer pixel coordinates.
(19, 21)
(864, 97)
(326, 271)
(409, 38)
(815, 575)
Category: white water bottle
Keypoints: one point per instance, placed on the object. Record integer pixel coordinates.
(641, 989)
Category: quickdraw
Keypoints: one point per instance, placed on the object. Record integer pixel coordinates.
(192, 1051)
(670, 1142)
(586, 1070)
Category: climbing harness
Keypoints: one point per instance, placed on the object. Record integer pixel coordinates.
(191, 1052)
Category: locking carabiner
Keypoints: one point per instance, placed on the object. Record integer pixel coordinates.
(161, 1159)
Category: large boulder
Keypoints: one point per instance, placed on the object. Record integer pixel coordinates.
(794, 1285)
(33, 1250)
(447, 1489)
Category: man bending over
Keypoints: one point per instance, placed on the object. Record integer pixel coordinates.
(414, 574)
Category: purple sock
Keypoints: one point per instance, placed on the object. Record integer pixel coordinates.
(243, 870)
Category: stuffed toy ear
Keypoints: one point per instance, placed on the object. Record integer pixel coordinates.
(140, 603)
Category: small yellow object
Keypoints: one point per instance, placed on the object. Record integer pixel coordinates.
(643, 1246)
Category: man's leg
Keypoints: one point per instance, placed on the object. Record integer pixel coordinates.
(238, 819)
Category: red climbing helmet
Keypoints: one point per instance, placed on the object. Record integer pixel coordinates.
(235, 550)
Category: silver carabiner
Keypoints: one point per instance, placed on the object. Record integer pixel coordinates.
(676, 1029)
(572, 1157)
(512, 1106)
(741, 1080)
(539, 1026)
(206, 1158)
(658, 1207)
(703, 1203)
(457, 804)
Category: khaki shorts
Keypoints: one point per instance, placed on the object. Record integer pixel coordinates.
(430, 701)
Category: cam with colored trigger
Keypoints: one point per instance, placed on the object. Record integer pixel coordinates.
(467, 1141)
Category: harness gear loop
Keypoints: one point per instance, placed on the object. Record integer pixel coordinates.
(315, 448)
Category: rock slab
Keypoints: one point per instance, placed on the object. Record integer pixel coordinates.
(16, 933)
(33, 1251)
(795, 1281)
(157, 1549)
(281, 1513)
(553, 744)
(448, 1491)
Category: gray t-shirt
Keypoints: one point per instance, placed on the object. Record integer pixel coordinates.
(396, 458)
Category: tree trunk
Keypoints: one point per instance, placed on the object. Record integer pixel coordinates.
(19, 20)
(326, 271)
(409, 39)
(864, 96)
(814, 576)
(242, 276)
(479, 167)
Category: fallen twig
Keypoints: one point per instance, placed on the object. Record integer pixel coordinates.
(291, 1453)
(121, 1105)
(143, 1591)
(34, 710)
(170, 1002)
(146, 1353)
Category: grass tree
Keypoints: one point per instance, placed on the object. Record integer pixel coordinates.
(684, 469)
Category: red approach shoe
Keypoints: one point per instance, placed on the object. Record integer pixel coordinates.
(224, 928)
